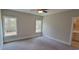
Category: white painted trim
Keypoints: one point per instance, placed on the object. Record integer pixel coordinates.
(58, 40)
(31, 36)
(73, 18)
(25, 37)
(71, 31)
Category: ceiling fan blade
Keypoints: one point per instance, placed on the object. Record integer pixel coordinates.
(45, 11)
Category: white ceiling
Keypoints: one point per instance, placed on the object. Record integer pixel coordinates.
(34, 11)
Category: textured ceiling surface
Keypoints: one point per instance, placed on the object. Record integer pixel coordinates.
(34, 11)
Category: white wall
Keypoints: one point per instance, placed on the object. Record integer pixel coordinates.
(1, 36)
(58, 26)
(26, 23)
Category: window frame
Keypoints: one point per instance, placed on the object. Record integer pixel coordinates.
(3, 22)
(41, 24)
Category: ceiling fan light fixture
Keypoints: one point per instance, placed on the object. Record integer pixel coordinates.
(40, 11)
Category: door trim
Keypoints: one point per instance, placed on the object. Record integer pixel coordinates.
(73, 18)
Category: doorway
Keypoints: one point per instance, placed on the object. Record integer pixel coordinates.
(75, 32)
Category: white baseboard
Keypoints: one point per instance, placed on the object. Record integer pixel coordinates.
(57, 40)
(25, 37)
(36, 35)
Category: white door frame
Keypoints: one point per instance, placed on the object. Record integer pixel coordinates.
(73, 18)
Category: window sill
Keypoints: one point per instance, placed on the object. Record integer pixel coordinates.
(38, 32)
(10, 35)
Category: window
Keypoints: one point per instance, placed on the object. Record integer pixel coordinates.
(9, 26)
(38, 25)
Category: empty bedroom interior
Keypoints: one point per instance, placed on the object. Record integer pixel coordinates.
(26, 29)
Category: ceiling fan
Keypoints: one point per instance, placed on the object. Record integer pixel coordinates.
(42, 10)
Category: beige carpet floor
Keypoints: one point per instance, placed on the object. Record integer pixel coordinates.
(39, 43)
